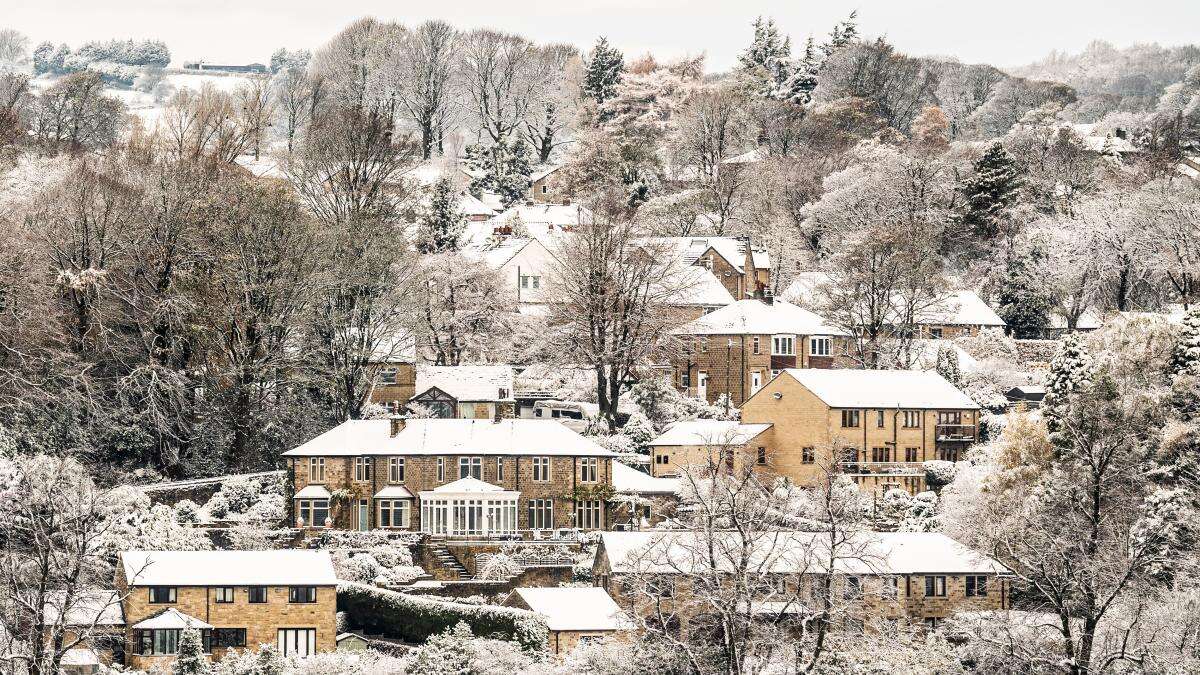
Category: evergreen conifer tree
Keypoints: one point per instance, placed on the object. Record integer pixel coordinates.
(191, 660)
(442, 222)
(1070, 372)
(1185, 361)
(993, 188)
(503, 169)
(605, 66)
(947, 364)
(1023, 302)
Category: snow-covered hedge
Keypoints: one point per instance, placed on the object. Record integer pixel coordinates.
(415, 618)
(939, 473)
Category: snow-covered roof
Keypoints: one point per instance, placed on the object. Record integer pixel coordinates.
(171, 618)
(99, 607)
(875, 389)
(957, 308)
(755, 317)
(467, 383)
(451, 437)
(468, 484)
(793, 552)
(631, 481)
(709, 432)
(228, 568)
(543, 171)
(693, 285)
(313, 492)
(429, 171)
(961, 308)
(472, 206)
(689, 249)
(575, 609)
(496, 254)
(925, 355)
(394, 492)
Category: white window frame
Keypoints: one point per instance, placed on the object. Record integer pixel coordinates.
(499, 469)
(441, 469)
(316, 469)
(399, 513)
(588, 469)
(470, 467)
(783, 345)
(819, 346)
(297, 641)
(362, 468)
(396, 470)
(541, 514)
(541, 469)
(590, 514)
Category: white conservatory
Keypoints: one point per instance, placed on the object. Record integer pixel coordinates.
(469, 507)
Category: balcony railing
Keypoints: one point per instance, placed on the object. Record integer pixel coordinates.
(883, 468)
(955, 432)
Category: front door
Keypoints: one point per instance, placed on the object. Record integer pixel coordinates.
(702, 386)
(755, 382)
(364, 515)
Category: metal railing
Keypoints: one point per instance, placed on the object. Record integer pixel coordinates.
(883, 468)
(955, 432)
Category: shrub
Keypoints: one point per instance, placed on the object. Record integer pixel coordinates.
(939, 473)
(415, 619)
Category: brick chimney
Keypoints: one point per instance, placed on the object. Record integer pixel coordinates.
(397, 424)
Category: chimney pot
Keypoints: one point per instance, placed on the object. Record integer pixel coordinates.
(397, 423)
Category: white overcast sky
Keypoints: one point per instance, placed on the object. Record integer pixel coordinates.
(1000, 32)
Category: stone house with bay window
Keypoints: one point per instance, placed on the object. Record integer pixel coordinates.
(452, 478)
(737, 349)
(236, 599)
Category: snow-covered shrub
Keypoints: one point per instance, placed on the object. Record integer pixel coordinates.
(618, 443)
(416, 618)
(447, 653)
(939, 473)
(498, 567)
(362, 568)
(990, 344)
(239, 495)
(376, 411)
(639, 430)
(187, 512)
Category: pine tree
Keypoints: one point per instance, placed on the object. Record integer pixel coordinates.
(503, 169)
(1023, 302)
(1185, 361)
(947, 364)
(993, 188)
(842, 35)
(768, 48)
(1070, 372)
(43, 57)
(442, 222)
(605, 66)
(191, 660)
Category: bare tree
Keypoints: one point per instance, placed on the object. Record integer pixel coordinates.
(294, 92)
(550, 117)
(424, 68)
(743, 586)
(74, 114)
(258, 286)
(500, 78)
(463, 306)
(352, 67)
(714, 126)
(1168, 216)
(612, 297)
(53, 562)
(255, 106)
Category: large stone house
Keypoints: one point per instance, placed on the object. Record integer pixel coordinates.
(465, 392)
(452, 477)
(524, 263)
(923, 577)
(236, 599)
(876, 426)
(736, 349)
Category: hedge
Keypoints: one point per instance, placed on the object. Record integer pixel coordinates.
(414, 618)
